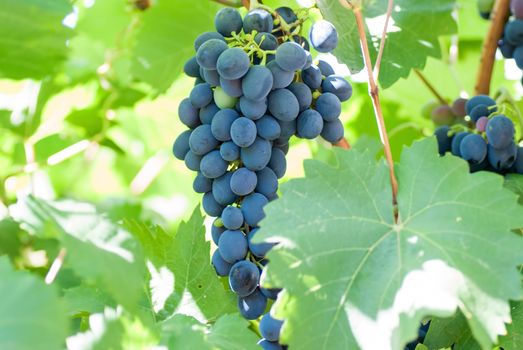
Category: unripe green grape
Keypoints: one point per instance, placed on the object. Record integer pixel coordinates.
(485, 6)
(222, 100)
(426, 110)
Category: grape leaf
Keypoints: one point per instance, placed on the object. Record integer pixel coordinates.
(350, 272)
(92, 242)
(514, 182)
(182, 276)
(229, 332)
(455, 332)
(36, 44)
(165, 39)
(31, 315)
(86, 300)
(417, 25)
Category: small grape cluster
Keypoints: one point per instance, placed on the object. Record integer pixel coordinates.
(256, 86)
(511, 44)
(489, 145)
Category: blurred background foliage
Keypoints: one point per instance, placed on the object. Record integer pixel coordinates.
(89, 92)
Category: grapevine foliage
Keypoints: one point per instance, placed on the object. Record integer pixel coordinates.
(373, 273)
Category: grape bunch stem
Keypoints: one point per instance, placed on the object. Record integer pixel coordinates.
(500, 15)
(373, 89)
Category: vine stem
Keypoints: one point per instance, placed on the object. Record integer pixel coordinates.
(431, 87)
(500, 16)
(383, 39)
(374, 94)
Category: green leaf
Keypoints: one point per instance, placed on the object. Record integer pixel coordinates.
(229, 332)
(10, 242)
(183, 260)
(514, 182)
(514, 339)
(418, 24)
(31, 315)
(165, 39)
(350, 272)
(35, 45)
(86, 300)
(97, 249)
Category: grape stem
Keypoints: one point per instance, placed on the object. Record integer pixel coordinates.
(374, 94)
(230, 3)
(383, 39)
(431, 87)
(500, 15)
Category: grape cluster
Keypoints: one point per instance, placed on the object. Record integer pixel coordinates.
(256, 86)
(511, 44)
(489, 145)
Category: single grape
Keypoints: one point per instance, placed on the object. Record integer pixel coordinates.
(211, 207)
(304, 43)
(444, 140)
(281, 77)
(257, 84)
(506, 49)
(201, 184)
(258, 20)
(514, 32)
(207, 55)
(192, 161)
(516, 7)
(211, 76)
(221, 189)
(479, 100)
(188, 114)
(288, 129)
(243, 132)
(221, 266)
(267, 182)
(473, 148)
(232, 88)
(329, 106)
(290, 56)
(216, 231)
(500, 131)
(502, 159)
(233, 246)
(252, 306)
(478, 112)
(243, 181)
(458, 107)
(204, 37)
(232, 218)
(283, 105)
(257, 156)
(252, 109)
(266, 41)
(192, 68)
(518, 164)
(243, 278)
(202, 140)
(229, 151)
(270, 293)
(303, 94)
(443, 115)
(278, 162)
(338, 86)
(325, 68)
(201, 95)
(518, 56)
(208, 112)
(181, 144)
(233, 63)
(222, 122)
(270, 327)
(312, 77)
(333, 131)
(288, 15)
(308, 62)
(258, 249)
(227, 21)
(269, 345)
(309, 124)
(283, 144)
(252, 208)
(456, 142)
(268, 128)
(481, 124)
(223, 100)
(323, 36)
(213, 165)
